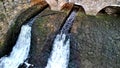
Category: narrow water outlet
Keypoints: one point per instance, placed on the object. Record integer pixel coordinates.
(60, 53)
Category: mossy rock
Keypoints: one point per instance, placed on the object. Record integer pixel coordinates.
(97, 40)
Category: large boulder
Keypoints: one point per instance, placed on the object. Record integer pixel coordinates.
(96, 39)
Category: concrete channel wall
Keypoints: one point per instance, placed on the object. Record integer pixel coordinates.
(91, 7)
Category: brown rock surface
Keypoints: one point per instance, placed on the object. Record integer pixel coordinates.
(9, 10)
(97, 41)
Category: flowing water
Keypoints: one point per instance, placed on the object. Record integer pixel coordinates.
(65, 29)
(60, 53)
(59, 56)
(61, 47)
(21, 49)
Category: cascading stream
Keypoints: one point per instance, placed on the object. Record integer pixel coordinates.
(60, 53)
(61, 46)
(21, 49)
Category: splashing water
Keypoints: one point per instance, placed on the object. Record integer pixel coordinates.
(20, 51)
(60, 53)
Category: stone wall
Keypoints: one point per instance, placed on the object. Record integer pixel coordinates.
(91, 7)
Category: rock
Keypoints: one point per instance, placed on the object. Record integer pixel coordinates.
(96, 39)
(9, 10)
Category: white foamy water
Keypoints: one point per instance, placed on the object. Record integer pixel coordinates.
(60, 54)
(20, 51)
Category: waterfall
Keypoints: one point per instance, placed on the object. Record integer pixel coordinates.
(60, 53)
(21, 49)
(61, 46)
